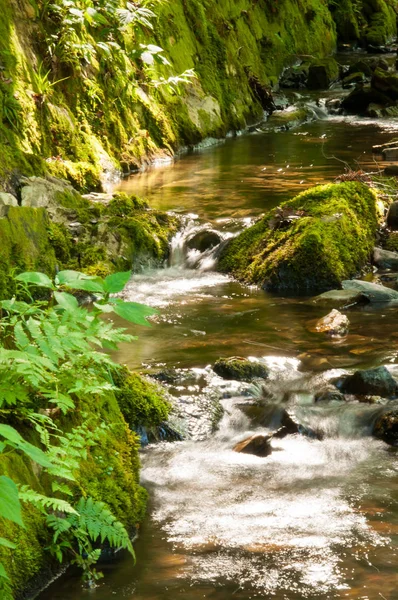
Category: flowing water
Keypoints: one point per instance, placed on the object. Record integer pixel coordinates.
(318, 518)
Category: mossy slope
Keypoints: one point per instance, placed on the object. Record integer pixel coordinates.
(371, 22)
(313, 242)
(106, 115)
(108, 472)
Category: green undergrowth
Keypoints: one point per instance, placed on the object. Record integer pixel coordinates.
(313, 242)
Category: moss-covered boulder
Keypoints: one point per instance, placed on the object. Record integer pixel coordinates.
(322, 73)
(385, 82)
(313, 242)
(240, 369)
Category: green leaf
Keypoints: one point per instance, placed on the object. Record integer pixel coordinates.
(17, 441)
(105, 308)
(66, 301)
(35, 278)
(87, 285)
(115, 283)
(10, 507)
(7, 543)
(134, 312)
(3, 572)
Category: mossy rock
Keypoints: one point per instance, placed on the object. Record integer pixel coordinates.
(385, 82)
(313, 242)
(240, 369)
(322, 73)
(142, 403)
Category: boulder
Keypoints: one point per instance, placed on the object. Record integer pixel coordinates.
(386, 427)
(295, 77)
(385, 82)
(240, 369)
(372, 291)
(322, 73)
(385, 259)
(338, 297)
(309, 243)
(370, 382)
(204, 240)
(38, 192)
(259, 445)
(288, 118)
(359, 99)
(352, 79)
(334, 324)
(360, 67)
(392, 216)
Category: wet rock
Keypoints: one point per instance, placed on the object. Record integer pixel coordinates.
(361, 67)
(385, 259)
(338, 297)
(385, 82)
(372, 291)
(322, 74)
(295, 77)
(333, 105)
(329, 396)
(288, 118)
(334, 324)
(352, 79)
(204, 240)
(386, 427)
(240, 369)
(288, 426)
(259, 445)
(370, 382)
(392, 216)
(359, 99)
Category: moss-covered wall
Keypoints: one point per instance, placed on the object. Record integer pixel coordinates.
(371, 22)
(106, 114)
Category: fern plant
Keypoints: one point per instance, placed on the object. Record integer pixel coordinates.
(49, 362)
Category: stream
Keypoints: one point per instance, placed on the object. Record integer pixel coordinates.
(317, 519)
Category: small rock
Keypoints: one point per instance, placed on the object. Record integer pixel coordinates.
(334, 324)
(7, 199)
(372, 291)
(385, 259)
(352, 79)
(386, 427)
(259, 445)
(370, 382)
(392, 216)
(240, 369)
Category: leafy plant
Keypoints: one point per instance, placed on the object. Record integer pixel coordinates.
(42, 85)
(49, 362)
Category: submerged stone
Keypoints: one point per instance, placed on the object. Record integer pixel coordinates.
(240, 369)
(313, 242)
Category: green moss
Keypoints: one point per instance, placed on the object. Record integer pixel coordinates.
(141, 402)
(25, 245)
(240, 369)
(314, 241)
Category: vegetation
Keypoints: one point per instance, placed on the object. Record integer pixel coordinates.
(51, 368)
(324, 235)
